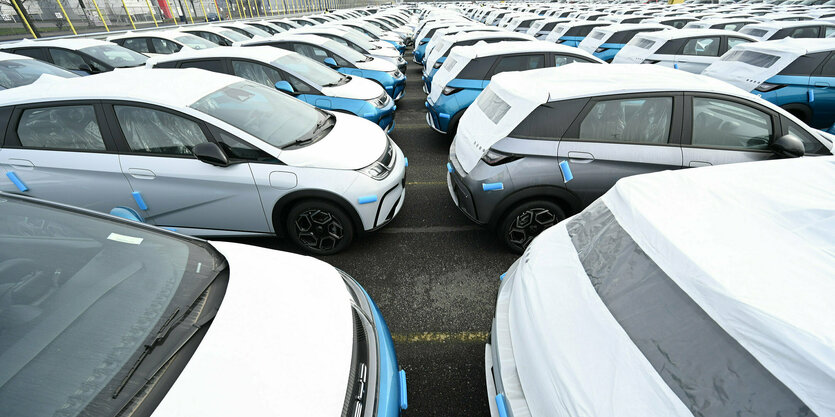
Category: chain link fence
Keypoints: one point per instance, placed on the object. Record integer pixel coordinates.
(46, 18)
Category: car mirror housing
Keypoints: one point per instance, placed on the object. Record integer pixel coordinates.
(210, 153)
(788, 146)
(329, 62)
(284, 86)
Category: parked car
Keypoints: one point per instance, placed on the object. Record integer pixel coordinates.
(80, 56)
(297, 75)
(789, 29)
(541, 28)
(19, 70)
(160, 42)
(573, 32)
(721, 23)
(376, 33)
(541, 145)
(342, 59)
(358, 42)
(675, 306)
(207, 154)
(690, 50)
(468, 70)
(170, 325)
(605, 42)
(215, 34)
(250, 31)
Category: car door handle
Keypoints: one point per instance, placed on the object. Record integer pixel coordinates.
(141, 174)
(580, 157)
(21, 163)
(696, 164)
(821, 84)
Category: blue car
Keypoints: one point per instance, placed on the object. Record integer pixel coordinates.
(798, 74)
(572, 33)
(468, 71)
(294, 74)
(342, 59)
(605, 42)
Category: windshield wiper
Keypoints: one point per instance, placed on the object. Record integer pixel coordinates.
(162, 334)
(301, 141)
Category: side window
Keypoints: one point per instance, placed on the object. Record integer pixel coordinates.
(519, 63)
(37, 53)
(299, 86)
(211, 37)
(158, 132)
(259, 73)
(66, 59)
(238, 149)
(828, 69)
(829, 31)
(702, 47)
(634, 120)
(163, 46)
(805, 65)
(810, 143)
(726, 124)
(63, 127)
(136, 44)
(214, 65)
(734, 41)
(560, 60)
(805, 32)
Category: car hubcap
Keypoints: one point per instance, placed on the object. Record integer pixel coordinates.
(318, 229)
(529, 224)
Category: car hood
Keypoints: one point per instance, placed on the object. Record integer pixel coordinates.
(376, 64)
(353, 143)
(280, 345)
(358, 88)
(386, 52)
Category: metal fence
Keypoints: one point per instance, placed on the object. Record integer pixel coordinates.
(45, 18)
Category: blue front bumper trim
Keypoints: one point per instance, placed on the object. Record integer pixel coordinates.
(404, 398)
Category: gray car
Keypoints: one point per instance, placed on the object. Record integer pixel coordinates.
(541, 145)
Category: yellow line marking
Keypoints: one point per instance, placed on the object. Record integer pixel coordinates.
(440, 337)
(426, 183)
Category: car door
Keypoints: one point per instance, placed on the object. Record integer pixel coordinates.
(64, 152)
(618, 136)
(822, 97)
(698, 53)
(170, 185)
(722, 130)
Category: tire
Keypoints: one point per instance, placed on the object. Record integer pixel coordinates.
(526, 221)
(319, 227)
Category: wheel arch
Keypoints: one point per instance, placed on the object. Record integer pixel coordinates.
(800, 110)
(283, 205)
(565, 199)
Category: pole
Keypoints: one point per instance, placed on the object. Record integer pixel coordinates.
(128, 13)
(172, 12)
(25, 20)
(228, 10)
(202, 7)
(190, 17)
(66, 16)
(150, 9)
(101, 16)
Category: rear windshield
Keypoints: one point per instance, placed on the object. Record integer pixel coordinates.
(757, 59)
(757, 33)
(643, 43)
(710, 372)
(115, 55)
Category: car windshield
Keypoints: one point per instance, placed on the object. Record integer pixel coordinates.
(18, 72)
(345, 52)
(310, 69)
(195, 42)
(256, 31)
(360, 40)
(81, 296)
(263, 112)
(115, 55)
(231, 34)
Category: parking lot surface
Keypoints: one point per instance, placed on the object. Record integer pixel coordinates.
(433, 273)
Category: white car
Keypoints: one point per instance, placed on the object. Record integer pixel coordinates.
(103, 316)
(356, 41)
(160, 42)
(216, 34)
(691, 50)
(715, 300)
(19, 70)
(78, 55)
(244, 29)
(207, 154)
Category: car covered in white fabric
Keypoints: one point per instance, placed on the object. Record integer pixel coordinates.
(690, 50)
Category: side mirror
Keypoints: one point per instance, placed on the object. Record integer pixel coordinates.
(330, 62)
(788, 146)
(284, 86)
(211, 154)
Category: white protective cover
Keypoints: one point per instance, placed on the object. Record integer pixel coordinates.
(634, 54)
(765, 275)
(748, 76)
(599, 35)
(447, 41)
(280, 344)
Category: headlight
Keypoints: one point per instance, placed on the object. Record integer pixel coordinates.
(650, 61)
(766, 87)
(396, 73)
(450, 90)
(380, 102)
(381, 168)
(601, 49)
(437, 65)
(494, 158)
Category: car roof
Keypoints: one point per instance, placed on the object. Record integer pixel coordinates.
(619, 27)
(482, 49)
(290, 36)
(169, 87)
(5, 56)
(690, 33)
(782, 24)
(258, 53)
(802, 46)
(466, 36)
(74, 43)
(167, 34)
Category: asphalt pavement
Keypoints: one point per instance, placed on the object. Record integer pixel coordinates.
(433, 273)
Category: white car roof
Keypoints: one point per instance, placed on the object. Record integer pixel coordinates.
(482, 49)
(466, 36)
(257, 53)
(205, 28)
(74, 43)
(290, 36)
(782, 24)
(5, 56)
(165, 34)
(169, 87)
(619, 27)
(667, 35)
(802, 46)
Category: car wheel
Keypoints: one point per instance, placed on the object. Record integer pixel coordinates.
(319, 227)
(527, 221)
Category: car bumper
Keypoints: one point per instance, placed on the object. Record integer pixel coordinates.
(392, 394)
(378, 202)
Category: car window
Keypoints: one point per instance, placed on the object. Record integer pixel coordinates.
(702, 47)
(37, 53)
(159, 132)
(804, 65)
(811, 145)
(725, 124)
(828, 69)
(560, 60)
(211, 37)
(259, 73)
(829, 31)
(163, 46)
(805, 32)
(61, 127)
(520, 63)
(633, 120)
(136, 44)
(66, 59)
(214, 65)
(238, 149)
(24, 71)
(734, 41)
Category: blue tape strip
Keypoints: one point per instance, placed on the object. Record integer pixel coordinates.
(675, 65)
(170, 229)
(501, 277)
(501, 405)
(566, 171)
(492, 186)
(449, 168)
(811, 96)
(406, 161)
(16, 181)
(139, 201)
(404, 398)
(367, 199)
